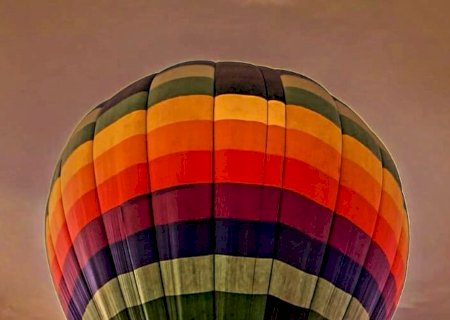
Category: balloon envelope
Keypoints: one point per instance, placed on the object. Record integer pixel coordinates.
(226, 191)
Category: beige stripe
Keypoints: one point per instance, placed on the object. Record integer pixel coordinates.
(108, 301)
(89, 118)
(183, 72)
(356, 311)
(242, 275)
(330, 301)
(292, 285)
(240, 107)
(308, 85)
(187, 275)
(108, 298)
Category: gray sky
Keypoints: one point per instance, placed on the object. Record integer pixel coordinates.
(388, 59)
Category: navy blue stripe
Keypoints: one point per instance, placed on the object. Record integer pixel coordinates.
(256, 240)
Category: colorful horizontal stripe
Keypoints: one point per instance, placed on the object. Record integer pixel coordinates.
(226, 190)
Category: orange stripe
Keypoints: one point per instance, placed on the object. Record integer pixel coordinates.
(354, 177)
(82, 212)
(309, 181)
(180, 168)
(56, 272)
(275, 140)
(125, 185)
(356, 209)
(313, 151)
(63, 244)
(386, 239)
(81, 182)
(240, 135)
(184, 136)
(57, 219)
(128, 152)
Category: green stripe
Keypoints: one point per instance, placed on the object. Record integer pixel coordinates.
(389, 164)
(181, 87)
(199, 306)
(56, 174)
(77, 140)
(313, 102)
(137, 101)
(351, 128)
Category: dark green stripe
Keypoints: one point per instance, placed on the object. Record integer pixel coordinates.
(354, 130)
(389, 164)
(137, 101)
(228, 306)
(181, 87)
(313, 102)
(56, 174)
(82, 135)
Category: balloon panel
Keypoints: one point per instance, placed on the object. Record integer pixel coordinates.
(226, 191)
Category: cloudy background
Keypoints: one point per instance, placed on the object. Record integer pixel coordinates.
(388, 59)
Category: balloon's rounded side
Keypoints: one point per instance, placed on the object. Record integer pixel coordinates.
(226, 191)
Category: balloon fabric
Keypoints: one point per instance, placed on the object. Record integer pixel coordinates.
(226, 191)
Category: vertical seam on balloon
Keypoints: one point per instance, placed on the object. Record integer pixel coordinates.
(151, 213)
(371, 240)
(381, 298)
(74, 251)
(213, 194)
(103, 221)
(133, 270)
(327, 246)
(280, 198)
(263, 175)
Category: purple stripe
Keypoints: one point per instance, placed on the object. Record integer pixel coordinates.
(233, 237)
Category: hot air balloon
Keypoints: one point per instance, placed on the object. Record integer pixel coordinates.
(226, 191)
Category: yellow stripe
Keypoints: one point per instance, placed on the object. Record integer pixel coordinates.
(183, 108)
(391, 187)
(80, 157)
(356, 152)
(55, 195)
(183, 72)
(308, 121)
(240, 107)
(276, 113)
(129, 125)
(242, 275)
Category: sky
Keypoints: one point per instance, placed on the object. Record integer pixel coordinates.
(389, 60)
